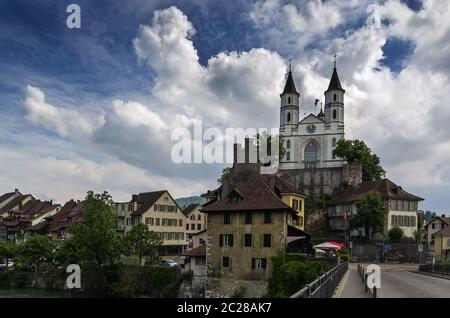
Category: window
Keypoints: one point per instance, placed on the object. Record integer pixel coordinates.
(180, 222)
(295, 204)
(200, 261)
(259, 263)
(300, 205)
(400, 205)
(234, 198)
(248, 218)
(122, 207)
(288, 144)
(334, 114)
(192, 227)
(247, 240)
(334, 97)
(226, 240)
(267, 217)
(288, 156)
(201, 241)
(130, 207)
(289, 100)
(226, 261)
(187, 226)
(199, 217)
(157, 221)
(199, 227)
(149, 221)
(192, 217)
(267, 240)
(311, 155)
(405, 220)
(333, 142)
(288, 117)
(227, 218)
(393, 220)
(412, 221)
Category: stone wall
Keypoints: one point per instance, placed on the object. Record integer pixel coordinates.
(224, 288)
(322, 181)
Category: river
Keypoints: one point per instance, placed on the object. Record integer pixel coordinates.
(36, 293)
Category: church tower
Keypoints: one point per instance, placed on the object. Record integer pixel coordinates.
(334, 100)
(289, 105)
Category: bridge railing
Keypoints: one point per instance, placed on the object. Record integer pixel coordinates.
(437, 269)
(325, 285)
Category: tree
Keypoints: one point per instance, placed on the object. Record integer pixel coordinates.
(7, 250)
(96, 239)
(418, 235)
(142, 242)
(396, 233)
(372, 211)
(35, 250)
(226, 172)
(356, 151)
(264, 141)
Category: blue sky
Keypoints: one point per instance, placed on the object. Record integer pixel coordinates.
(74, 102)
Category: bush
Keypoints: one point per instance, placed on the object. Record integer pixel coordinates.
(396, 233)
(161, 282)
(239, 292)
(289, 276)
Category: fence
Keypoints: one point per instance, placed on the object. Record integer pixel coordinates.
(437, 269)
(362, 272)
(325, 285)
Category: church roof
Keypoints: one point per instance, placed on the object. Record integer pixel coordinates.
(289, 87)
(321, 115)
(335, 83)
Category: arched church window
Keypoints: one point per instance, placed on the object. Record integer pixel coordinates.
(288, 117)
(333, 142)
(289, 100)
(334, 97)
(288, 156)
(334, 114)
(288, 144)
(311, 155)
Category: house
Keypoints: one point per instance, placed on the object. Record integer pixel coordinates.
(196, 221)
(57, 225)
(433, 226)
(30, 214)
(442, 243)
(250, 223)
(8, 197)
(161, 213)
(196, 257)
(14, 204)
(402, 207)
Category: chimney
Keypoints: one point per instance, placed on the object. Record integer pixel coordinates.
(235, 155)
(443, 215)
(247, 150)
(16, 191)
(134, 197)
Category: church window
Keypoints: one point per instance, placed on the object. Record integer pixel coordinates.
(334, 114)
(334, 97)
(288, 156)
(288, 117)
(311, 155)
(288, 144)
(333, 142)
(289, 100)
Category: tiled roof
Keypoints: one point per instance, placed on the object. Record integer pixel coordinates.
(190, 208)
(335, 83)
(445, 231)
(443, 219)
(289, 87)
(199, 251)
(14, 202)
(255, 194)
(6, 196)
(71, 210)
(386, 188)
(146, 200)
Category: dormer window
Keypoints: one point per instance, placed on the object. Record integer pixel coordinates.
(235, 199)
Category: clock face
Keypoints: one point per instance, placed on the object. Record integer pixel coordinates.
(311, 129)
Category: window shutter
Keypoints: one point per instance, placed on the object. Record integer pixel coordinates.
(221, 240)
(231, 239)
(253, 263)
(264, 263)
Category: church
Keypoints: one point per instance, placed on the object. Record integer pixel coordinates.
(310, 142)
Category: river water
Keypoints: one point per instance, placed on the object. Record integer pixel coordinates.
(36, 293)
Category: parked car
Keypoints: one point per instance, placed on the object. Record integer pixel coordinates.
(6, 264)
(170, 263)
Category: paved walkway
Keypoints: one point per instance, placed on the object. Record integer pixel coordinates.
(351, 285)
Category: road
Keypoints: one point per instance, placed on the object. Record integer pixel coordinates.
(397, 281)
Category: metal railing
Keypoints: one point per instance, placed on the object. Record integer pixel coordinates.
(325, 285)
(436, 269)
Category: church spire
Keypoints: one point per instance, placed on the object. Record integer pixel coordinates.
(335, 83)
(289, 87)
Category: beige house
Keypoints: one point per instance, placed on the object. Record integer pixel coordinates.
(196, 256)
(250, 224)
(442, 243)
(160, 212)
(196, 221)
(433, 226)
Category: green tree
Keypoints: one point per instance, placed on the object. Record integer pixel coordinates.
(8, 250)
(356, 151)
(225, 174)
(396, 233)
(95, 239)
(142, 242)
(418, 235)
(36, 250)
(372, 211)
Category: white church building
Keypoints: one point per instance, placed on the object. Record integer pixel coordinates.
(309, 143)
